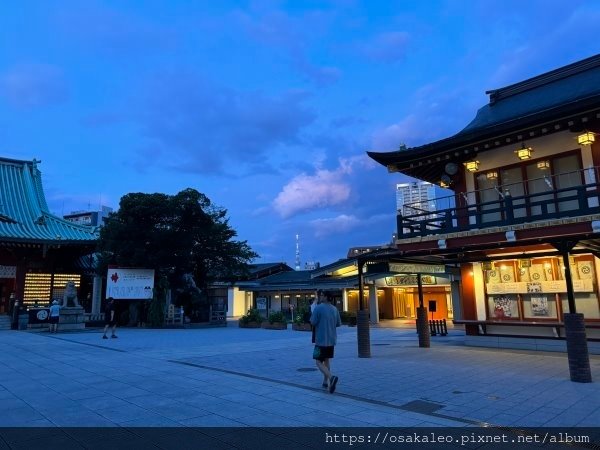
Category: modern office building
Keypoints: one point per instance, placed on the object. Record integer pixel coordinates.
(89, 218)
(415, 196)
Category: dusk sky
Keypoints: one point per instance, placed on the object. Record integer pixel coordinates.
(267, 107)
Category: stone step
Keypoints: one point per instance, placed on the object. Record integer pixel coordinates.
(5, 323)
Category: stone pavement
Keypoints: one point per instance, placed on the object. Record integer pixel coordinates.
(253, 377)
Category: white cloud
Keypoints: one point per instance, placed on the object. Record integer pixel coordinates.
(326, 188)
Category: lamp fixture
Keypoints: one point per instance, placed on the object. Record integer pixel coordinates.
(586, 138)
(492, 175)
(524, 153)
(445, 181)
(472, 166)
(524, 263)
(543, 165)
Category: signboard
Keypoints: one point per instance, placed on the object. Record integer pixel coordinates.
(38, 315)
(545, 287)
(261, 303)
(129, 284)
(417, 268)
(408, 280)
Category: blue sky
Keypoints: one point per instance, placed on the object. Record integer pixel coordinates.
(267, 107)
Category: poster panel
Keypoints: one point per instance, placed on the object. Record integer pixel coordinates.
(129, 284)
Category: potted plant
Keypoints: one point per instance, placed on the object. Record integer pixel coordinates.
(300, 321)
(276, 321)
(252, 319)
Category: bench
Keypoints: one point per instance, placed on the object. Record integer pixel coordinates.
(483, 324)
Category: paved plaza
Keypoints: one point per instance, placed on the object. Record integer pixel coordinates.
(222, 377)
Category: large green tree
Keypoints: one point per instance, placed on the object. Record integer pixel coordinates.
(175, 235)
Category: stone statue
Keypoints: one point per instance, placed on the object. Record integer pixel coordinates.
(70, 294)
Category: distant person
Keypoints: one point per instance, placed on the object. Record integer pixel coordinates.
(325, 319)
(54, 316)
(110, 319)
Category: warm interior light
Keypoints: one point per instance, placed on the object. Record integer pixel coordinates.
(543, 165)
(523, 263)
(492, 175)
(472, 166)
(586, 138)
(524, 152)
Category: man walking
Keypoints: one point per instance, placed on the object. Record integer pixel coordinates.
(325, 318)
(109, 318)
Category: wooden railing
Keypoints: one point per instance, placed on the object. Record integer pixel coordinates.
(506, 210)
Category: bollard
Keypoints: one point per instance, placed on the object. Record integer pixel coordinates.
(363, 336)
(423, 328)
(577, 349)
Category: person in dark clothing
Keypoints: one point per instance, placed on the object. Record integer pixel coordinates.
(110, 319)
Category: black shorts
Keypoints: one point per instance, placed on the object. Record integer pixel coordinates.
(53, 319)
(322, 353)
(110, 323)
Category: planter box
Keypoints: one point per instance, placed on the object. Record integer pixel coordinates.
(274, 326)
(249, 325)
(301, 327)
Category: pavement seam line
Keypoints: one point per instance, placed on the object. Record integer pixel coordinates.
(338, 394)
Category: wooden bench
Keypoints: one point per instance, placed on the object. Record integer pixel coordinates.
(556, 326)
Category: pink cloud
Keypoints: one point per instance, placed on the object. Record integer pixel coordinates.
(306, 192)
(326, 188)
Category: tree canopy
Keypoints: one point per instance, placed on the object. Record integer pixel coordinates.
(175, 235)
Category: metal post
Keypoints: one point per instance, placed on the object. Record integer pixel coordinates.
(362, 318)
(569, 281)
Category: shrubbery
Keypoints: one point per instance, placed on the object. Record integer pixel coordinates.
(251, 316)
(277, 317)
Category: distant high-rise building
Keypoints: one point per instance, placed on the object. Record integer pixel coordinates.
(91, 218)
(415, 197)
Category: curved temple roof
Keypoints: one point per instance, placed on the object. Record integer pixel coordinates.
(562, 92)
(24, 214)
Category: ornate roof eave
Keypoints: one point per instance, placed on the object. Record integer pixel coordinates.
(20, 242)
(426, 162)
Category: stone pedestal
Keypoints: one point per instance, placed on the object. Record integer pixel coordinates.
(71, 318)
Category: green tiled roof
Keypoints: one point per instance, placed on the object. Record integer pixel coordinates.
(24, 214)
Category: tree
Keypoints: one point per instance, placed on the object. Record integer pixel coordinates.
(174, 235)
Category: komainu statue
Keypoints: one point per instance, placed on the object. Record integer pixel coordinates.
(70, 294)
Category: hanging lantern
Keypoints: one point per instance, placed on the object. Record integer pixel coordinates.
(472, 166)
(524, 153)
(543, 165)
(586, 138)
